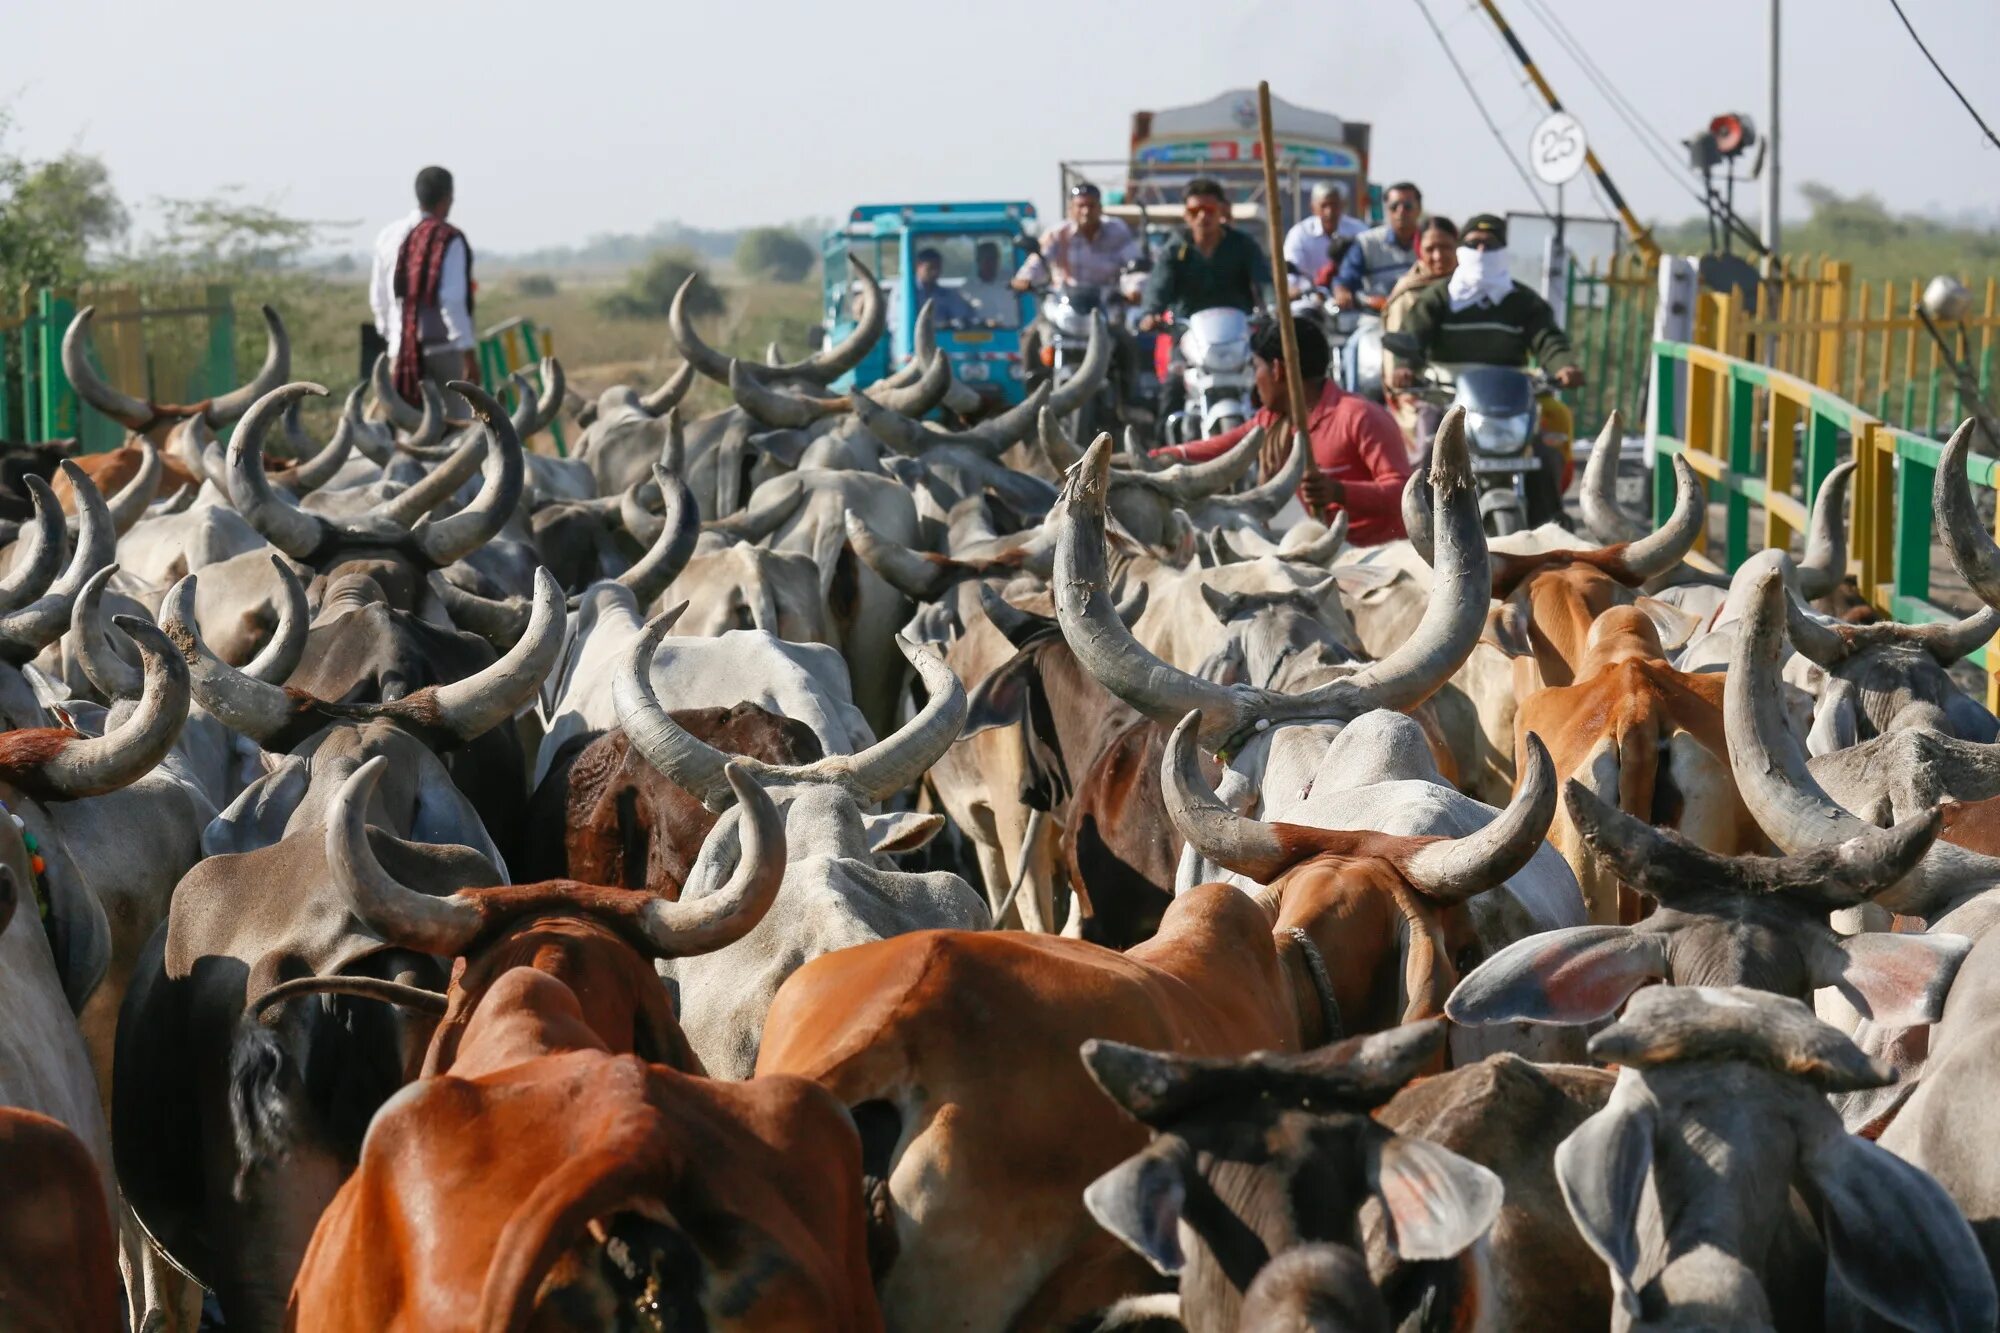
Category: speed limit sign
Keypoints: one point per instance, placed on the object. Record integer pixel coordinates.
(1556, 149)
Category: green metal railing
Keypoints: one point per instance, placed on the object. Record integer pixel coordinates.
(1609, 318)
(1741, 426)
(516, 344)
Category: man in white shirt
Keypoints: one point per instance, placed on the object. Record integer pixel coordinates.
(422, 284)
(1309, 244)
(988, 291)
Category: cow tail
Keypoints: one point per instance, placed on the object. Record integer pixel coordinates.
(266, 1097)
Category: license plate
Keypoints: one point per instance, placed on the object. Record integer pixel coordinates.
(971, 335)
(1518, 463)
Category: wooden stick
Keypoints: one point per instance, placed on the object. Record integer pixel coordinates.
(1281, 294)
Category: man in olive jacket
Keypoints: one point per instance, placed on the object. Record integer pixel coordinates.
(1481, 316)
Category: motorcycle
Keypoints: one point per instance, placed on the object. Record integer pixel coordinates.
(1353, 335)
(1215, 375)
(1067, 314)
(1502, 420)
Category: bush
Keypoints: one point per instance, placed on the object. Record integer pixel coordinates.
(649, 292)
(774, 252)
(535, 284)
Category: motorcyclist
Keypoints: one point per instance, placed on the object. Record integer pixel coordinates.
(1086, 249)
(951, 309)
(1323, 236)
(1380, 255)
(1481, 316)
(1209, 265)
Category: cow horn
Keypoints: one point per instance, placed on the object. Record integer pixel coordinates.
(1603, 517)
(697, 353)
(1235, 842)
(1781, 793)
(1452, 870)
(916, 575)
(499, 622)
(1972, 550)
(31, 628)
(1825, 561)
(1090, 374)
(715, 920)
(283, 524)
(1322, 549)
(1946, 640)
(1197, 481)
(555, 388)
(1265, 499)
(395, 407)
(671, 391)
(1817, 642)
(891, 427)
(870, 318)
(428, 441)
(680, 528)
(324, 464)
(438, 485)
(279, 657)
(36, 564)
(995, 435)
(644, 525)
(93, 766)
(470, 708)
(128, 506)
(277, 368)
(923, 346)
(178, 503)
(292, 431)
(1655, 554)
(447, 539)
(132, 413)
(918, 398)
(527, 405)
(879, 771)
(771, 407)
(1417, 501)
(246, 705)
(1057, 446)
(435, 925)
(108, 671)
(375, 441)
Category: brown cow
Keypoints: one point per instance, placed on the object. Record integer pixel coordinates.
(58, 1257)
(1646, 739)
(930, 1038)
(561, 1158)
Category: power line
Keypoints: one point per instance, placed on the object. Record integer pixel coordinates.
(1464, 79)
(1985, 129)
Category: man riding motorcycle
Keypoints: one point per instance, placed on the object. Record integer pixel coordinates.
(1322, 237)
(1380, 255)
(1210, 265)
(1481, 316)
(1085, 249)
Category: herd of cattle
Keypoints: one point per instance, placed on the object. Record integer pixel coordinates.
(818, 869)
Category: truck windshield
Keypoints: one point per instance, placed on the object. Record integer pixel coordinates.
(973, 269)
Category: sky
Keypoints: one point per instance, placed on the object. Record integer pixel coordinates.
(565, 120)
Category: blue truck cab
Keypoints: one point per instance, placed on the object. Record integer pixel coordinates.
(979, 319)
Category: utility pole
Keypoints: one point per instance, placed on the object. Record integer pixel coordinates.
(1773, 141)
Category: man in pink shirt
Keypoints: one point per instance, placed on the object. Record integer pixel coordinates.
(1359, 453)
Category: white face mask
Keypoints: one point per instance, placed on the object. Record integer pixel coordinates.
(1481, 277)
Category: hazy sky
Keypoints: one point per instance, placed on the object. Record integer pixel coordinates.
(565, 119)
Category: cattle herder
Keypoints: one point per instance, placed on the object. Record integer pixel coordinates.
(1360, 460)
(421, 291)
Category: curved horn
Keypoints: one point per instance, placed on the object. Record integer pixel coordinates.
(1265, 499)
(249, 706)
(1455, 869)
(107, 670)
(1655, 554)
(436, 486)
(129, 505)
(1195, 481)
(1781, 793)
(35, 567)
(922, 395)
(96, 765)
(1057, 446)
(454, 538)
(324, 464)
(1320, 550)
(870, 318)
(527, 405)
(279, 657)
(472, 707)
(1417, 501)
(716, 920)
(670, 392)
(498, 622)
(917, 576)
(1603, 517)
(696, 352)
(283, 524)
(923, 346)
(399, 915)
(776, 409)
(680, 528)
(1972, 550)
(428, 441)
(277, 368)
(1235, 842)
(891, 427)
(132, 413)
(28, 630)
(1090, 374)
(292, 430)
(1825, 561)
(1813, 639)
(400, 413)
(555, 388)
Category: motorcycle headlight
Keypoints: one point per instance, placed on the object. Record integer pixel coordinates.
(1497, 435)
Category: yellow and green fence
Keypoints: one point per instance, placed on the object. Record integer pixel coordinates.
(516, 344)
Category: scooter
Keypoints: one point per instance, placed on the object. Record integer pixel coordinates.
(1502, 421)
(1215, 375)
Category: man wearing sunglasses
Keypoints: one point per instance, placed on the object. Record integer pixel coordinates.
(1209, 265)
(1381, 255)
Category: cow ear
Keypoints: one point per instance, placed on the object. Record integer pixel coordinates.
(1883, 1220)
(783, 447)
(1000, 700)
(1894, 980)
(1140, 1201)
(903, 831)
(1836, 723)
(1437, 1202)
(1674, 626)
(1576, 975)
(1602, 1169)
(1224, 605)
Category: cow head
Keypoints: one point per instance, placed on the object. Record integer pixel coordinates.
(1374, 923)
(1679, 1182)
(1265, 1156)
(1753, 921)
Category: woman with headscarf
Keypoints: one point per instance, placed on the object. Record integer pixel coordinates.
(1437, 258)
